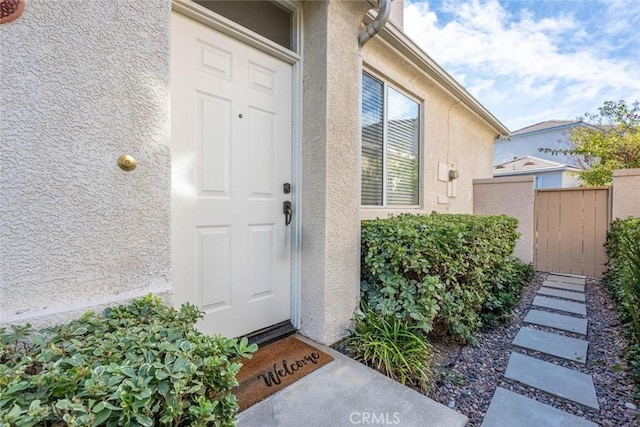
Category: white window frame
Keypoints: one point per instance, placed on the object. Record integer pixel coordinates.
(419, 155)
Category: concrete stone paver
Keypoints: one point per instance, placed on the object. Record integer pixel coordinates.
(557, 304)
(557, 380)
(553, 344)
(567, 279)
(563, 293)
(509, 409)
(559, 293)
(557, 321)
(561, 285)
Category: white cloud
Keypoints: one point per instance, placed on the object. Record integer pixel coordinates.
(617, 15)
(562, 65)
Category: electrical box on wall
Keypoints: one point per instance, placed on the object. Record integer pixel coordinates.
(453, 174)
(447, 172)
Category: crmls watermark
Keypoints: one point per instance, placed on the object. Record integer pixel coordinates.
(375, 418)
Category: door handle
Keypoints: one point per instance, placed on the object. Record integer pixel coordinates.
(287, 209)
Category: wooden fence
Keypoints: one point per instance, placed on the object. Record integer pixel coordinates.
(570, 229)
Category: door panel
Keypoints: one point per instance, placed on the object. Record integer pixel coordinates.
(214, 250)
(231, 155)
(214, 121)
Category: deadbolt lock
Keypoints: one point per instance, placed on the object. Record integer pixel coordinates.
(286, 188)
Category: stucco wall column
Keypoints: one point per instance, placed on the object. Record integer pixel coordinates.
(330, 192)
(513, 196)
(626, 199)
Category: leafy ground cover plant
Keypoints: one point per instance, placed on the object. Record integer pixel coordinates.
(622, 282)
(446, 274)
(391, 346)
(140, 364)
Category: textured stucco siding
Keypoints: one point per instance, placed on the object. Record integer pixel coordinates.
(87, 81)
(330, 201)
(451, 135)
(626, 193)
(331, 209)
(513, 196)
(83, 83)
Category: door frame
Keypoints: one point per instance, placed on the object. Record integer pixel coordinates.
(242, 34)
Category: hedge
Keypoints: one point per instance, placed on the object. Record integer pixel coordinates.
(448, 274)
(140, 364)
(622, 282)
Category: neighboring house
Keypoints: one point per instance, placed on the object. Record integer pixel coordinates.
(246, 121)
(547, 174)
(553, 134)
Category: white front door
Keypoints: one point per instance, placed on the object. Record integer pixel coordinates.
(231, 156)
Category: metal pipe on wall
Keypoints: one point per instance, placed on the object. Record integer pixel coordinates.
(384, 10)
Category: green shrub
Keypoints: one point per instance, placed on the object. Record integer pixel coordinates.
(622, 281)
(505, 290)
(437, 271)
(140, 364)
(392, 347)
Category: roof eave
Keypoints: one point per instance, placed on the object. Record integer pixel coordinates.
(539, 170)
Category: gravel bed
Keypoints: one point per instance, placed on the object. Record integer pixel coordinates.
(468, 375)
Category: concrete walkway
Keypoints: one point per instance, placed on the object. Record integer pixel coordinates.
(564, 294)
(343, 393)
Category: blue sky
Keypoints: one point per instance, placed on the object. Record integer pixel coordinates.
(529, 61)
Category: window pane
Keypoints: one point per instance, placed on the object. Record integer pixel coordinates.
(402, 149)
(372, 142)
(264, 17)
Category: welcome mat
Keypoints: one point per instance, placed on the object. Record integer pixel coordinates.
(274, 367)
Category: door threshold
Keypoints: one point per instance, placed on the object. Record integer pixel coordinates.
(271, 333)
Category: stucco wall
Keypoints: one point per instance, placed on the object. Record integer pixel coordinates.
(83, 83)
(626, 193)
(331, 209)
(451, 135)
(513, 196)
(330, 193)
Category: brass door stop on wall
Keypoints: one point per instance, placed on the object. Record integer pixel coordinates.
(127, 162)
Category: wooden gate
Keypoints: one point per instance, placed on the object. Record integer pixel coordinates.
(570, 230)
